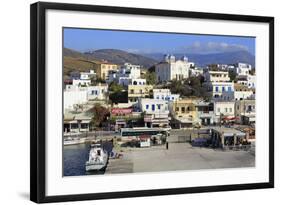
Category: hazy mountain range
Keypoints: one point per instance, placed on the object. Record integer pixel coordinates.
(147, 60)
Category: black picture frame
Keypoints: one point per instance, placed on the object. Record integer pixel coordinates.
(38, 101)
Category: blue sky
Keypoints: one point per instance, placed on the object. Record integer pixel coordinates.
(148, 42)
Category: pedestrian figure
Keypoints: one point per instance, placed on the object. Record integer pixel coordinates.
(167, 145)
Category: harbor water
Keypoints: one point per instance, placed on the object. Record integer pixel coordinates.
(74, 159)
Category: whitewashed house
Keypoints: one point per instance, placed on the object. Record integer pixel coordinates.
(247, 80)
(156, 112)
(243, 92)
(172, 69)
(165, 94)
(98, 92)
(216, 76)
(243, 68)
(224, 110)
(72, 97)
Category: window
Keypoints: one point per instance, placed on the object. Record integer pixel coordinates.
(230, 109)
(223, 89)
(237, 107)
(153, 107)
(132, 91)
(218, 109)
(183, 109)
(225, 109)
(159, 106)
(217, 89)
(177, 109)
(147, 107)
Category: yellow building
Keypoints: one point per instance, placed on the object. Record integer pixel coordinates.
(102, 69)
(184, 112)
(139, 91)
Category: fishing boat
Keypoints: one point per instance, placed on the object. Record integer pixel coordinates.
(98, 158)
(73, 140)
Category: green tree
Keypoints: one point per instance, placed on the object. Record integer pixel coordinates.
(150, 78)
(115, 87)
(100, 114)
(232, 75)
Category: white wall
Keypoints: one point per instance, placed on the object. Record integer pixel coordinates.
(14, 41)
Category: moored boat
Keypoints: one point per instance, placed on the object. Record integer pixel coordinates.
(73, 140)
(98, 158)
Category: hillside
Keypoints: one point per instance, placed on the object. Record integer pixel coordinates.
(120, 57)
(76, 64)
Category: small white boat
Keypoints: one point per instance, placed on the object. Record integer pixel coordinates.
(98, 158)
(73, 140)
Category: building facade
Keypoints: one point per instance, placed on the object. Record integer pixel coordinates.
(245, 111)
(156, 112)
(139, 91)
(103, 69)
(165, 94)
(224, 110)
(172, 69)
(184, 113)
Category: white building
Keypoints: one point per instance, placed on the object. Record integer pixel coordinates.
(243, 92)
(165, 94)
(130, 71)
(156, 112)
(247, 80)
(81, 82)
(127, 74)
(98, 92)
(216, 76)
(87, 75)
(74, 97)
(82, 75)
(223, 109)
(125, 81)
(172, 69)
(221, 90)
(243, 68)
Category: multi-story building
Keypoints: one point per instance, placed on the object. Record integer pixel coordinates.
(125, 81)
(216, 76)
(165, 94)
(205, 112)
(156, 112)
(98, 92)
(247, 80)
(224, 110)
(242, 92)
(127, 74)
(221, 90)
(243, 68)
(81, 82)
(130, 71)
(245, 111)
(103, 69)
(72, 97)
(184, 113)
(172, 69)
(139, 91)
(219, 85)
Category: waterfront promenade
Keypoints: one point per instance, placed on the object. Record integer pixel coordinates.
(179, 156)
